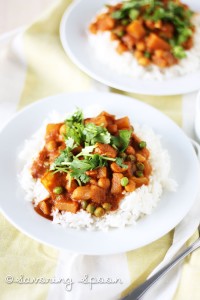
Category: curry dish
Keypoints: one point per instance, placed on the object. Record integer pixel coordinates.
(155, 32)
(90, 164)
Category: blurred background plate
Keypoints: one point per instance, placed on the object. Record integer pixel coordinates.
(73, 36)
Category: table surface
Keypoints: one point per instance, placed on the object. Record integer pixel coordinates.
(16, 13)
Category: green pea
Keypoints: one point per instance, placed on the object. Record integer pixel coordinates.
(147, 54)
(99, 212)
(140, 166)
(120, 33)
(124, 181)
(133, 14)
(58, 190)
(139, 173)
(142, 144)
(90, 208)
(131, 157)
(123, 155)
(84, 204)
(106, 206)
(125, 22)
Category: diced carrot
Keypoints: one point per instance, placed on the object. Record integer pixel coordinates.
(116, 187)
(121, 48)
(102, 172)
(48, 180)
(144, 61)
(136, 29)
(140, 46)
(129, 41)
(130, 150)
(123, 123)
(105, 23)
(93, 28)
(113, 36)
(112, 128)
(154, 42)
(52, 130)
(71, 185)
(163, 58)
(99, 121)
(98, 194)
(105, 149)
(147, 168)
(131, 186)
(68, 205)
(45, 207)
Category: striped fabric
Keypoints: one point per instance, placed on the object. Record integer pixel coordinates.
(33, 66)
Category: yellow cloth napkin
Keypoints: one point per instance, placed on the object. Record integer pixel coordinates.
(50, 71)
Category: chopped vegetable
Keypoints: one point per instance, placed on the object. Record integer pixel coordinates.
(58, 190)
(142, 144)
(179, 52)
(90, 208)
(124, 181)
(107, 206)
(99, 212)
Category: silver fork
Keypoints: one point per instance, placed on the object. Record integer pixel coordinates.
(143, 288)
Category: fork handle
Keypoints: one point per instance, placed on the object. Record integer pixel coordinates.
(143, 288)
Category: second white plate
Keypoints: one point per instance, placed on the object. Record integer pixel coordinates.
(73, 36)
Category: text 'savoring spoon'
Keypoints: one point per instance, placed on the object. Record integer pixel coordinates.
(143, 288)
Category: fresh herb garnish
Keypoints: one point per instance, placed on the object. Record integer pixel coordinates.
(179, 52)
(155, 11)
(121, 141)
(120, 163)
(95, 134)
(87, 136)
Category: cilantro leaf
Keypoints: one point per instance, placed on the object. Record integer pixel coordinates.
(120, 163)
(121, 141)
(74, 127)
(80, 176)
(75, 131)
(94, 134)
(77, 117)
(62, 160)
(179, 52)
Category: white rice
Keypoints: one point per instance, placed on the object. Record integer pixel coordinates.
(126, 64)
(136, 204)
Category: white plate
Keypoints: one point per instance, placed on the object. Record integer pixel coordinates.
(73, 36)
(170, 210)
